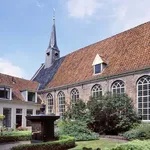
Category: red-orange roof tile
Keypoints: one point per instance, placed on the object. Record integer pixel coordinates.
(127, 51)
(17, 85)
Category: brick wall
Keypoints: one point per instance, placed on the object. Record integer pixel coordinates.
(85, 89)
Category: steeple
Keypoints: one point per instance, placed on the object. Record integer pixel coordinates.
(52, 52)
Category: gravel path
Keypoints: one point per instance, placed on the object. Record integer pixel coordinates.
(8, 146)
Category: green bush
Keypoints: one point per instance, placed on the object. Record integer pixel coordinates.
(141, 132)
(77, 129)
(134, 145)
(112, 113)
(1, 117)
(15, 136)
(17, 133)
(78, 111)
(64, 143)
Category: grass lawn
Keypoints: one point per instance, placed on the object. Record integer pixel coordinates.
(101, 143)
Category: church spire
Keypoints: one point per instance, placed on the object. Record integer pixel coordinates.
(52, 52)
(53, 39)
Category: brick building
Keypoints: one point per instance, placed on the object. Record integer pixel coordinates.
(119, 64)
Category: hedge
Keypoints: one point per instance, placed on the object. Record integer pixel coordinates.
(63, 143)
(141, 132)
(14, 138)
(134, 145)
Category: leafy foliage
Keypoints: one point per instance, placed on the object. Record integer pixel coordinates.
(64, 143)
(1, 117)
(141, 132)
(78, 111)
(113, 114)
(77, 129)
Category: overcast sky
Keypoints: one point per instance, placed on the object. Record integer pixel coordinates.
(25, 27)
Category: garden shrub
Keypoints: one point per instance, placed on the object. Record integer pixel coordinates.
(78, 111)
(77, 129)
(112, 113)
(64, 143)
(140, 132)
(134, 145)
(15, 136)
(1, 117)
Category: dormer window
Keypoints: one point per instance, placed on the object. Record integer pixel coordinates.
(29, 96)
(5, 93)
(98, 65)
(97, 69)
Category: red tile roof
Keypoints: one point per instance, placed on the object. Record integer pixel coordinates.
(127, 51)
(17, 85)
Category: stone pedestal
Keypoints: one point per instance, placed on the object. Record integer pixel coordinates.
(42, 127)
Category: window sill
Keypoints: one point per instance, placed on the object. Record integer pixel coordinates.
(97, 74)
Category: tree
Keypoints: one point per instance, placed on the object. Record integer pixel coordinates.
(112, 114)
(78, 111)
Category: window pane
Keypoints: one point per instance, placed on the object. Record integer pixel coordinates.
(96, 91)
(50, 103)
(118, 87)
(97, 68)
(143, 97)
(140, 99)
(140, 105)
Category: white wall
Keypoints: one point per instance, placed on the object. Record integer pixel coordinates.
(21, 105)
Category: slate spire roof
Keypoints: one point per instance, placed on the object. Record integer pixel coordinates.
(53, 40)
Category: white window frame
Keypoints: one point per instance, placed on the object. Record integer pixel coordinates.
(116, 87)
(100, 69)
(10, 93)
(61, 103)
(75, 96)
(144, 96)
(50, 103)
(97, 88)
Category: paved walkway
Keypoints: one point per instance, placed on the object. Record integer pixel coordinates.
(8, 146)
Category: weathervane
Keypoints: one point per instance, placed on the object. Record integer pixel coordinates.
(54, 14)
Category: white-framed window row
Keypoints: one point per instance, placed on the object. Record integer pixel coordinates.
(74, 95)
(143, 97)
(61, 103)
(96, 91)
(118, 87)
(5, 92)
(50, 103)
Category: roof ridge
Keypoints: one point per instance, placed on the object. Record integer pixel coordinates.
(3, 74)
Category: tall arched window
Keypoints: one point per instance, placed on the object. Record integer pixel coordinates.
(143, 89)
(61, 102)
(118, 87)
(74, 95)
(96, 90)
(50, 103)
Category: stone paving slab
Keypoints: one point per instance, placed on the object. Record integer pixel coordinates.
(8, 146)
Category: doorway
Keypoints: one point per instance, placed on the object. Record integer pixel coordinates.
(18, 117)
